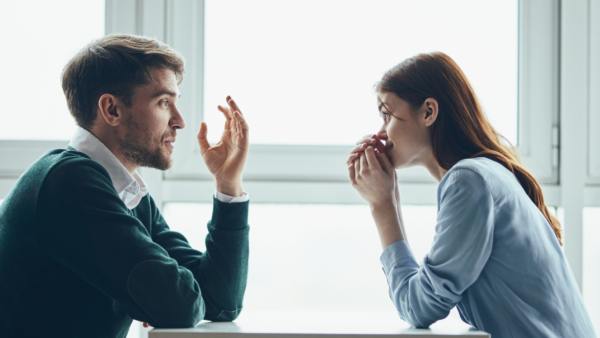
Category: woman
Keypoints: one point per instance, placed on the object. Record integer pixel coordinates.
(497, 252)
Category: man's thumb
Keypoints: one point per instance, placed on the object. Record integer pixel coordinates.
(202, 138)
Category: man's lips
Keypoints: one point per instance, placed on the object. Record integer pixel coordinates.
(170, 144)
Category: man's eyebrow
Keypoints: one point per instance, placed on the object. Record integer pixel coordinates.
(165, 92)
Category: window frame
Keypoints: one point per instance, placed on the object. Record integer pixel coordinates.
(180, 24)
(295, 166)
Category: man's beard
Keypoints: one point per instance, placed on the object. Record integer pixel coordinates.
(139, 151)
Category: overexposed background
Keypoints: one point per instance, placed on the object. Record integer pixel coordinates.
(303, 70)
(37, 44)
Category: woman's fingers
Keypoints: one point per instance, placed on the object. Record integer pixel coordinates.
(366, 138)
(352, 172)
(359, 159)
(351, 158)
(380, 146)
(385, 163)
(371, 158)
(358, 148)
(363, 162)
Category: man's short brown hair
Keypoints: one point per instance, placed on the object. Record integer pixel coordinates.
(115, 64)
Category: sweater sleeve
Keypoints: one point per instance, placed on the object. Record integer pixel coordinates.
(84, 225)
(461, 247)
(221, 271)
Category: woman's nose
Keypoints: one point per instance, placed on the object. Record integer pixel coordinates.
(382, 134)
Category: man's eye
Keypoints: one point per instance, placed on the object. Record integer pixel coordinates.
(164, 103)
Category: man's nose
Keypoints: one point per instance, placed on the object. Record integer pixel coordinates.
(177, 121)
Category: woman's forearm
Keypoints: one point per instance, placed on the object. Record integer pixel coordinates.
(388, 223)
(399, 208)
(401, 221)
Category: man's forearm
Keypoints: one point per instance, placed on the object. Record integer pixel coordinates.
(231, 188)
(224, 269)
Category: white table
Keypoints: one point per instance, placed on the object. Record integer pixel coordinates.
(319, 325)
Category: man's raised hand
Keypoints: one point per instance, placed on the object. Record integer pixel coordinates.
(226, 159)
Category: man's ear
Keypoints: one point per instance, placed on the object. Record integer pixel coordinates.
(430, 107)
(109, 109)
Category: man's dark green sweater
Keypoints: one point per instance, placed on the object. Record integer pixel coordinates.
(76, 262)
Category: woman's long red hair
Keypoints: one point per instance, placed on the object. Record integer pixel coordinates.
(461, 130)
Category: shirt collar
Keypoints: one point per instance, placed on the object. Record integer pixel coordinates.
(130, 188)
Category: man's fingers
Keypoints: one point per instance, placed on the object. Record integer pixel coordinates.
(232, 105)
(202, 138)
(371, 158)
(226, 112)
(242, 124)
(241, 119)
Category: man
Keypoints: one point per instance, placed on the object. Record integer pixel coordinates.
(83, 247)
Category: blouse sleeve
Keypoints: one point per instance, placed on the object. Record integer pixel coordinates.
(424, 294)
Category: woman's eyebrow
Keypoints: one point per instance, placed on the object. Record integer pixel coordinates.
(382, 104)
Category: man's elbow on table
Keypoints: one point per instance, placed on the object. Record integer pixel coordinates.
(169, 296)
(180, 317)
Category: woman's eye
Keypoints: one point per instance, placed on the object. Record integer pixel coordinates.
(385, 116)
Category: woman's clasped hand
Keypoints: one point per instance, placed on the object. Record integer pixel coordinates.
(371, 172)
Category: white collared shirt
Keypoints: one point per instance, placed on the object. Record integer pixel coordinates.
(131, 188)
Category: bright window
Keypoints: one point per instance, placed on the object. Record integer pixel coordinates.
(36, 47)
(309, 257)
(303, 70)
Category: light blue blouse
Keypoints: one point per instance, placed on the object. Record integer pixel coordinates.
(494, 256)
